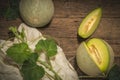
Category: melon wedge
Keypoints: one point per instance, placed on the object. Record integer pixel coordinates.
(90, 23)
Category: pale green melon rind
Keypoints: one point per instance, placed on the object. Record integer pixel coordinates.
(98, 13)
(111, 53)
(85, 63)
(102, 47)
(36, 13)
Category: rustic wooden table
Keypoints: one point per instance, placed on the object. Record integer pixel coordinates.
(67, 18)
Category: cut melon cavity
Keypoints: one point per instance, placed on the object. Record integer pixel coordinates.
(95, 57)
(99, 53)
(90, 23)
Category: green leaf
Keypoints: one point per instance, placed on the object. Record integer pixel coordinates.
(11, 14)
(12, 11)
(33, 72)
(30, 70)
(49, 46)
(33, 58)
(114, 73)
(19, 52)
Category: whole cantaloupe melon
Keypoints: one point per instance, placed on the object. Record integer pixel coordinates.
(36, 13)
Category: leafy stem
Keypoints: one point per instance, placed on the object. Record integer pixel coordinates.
(23, 55)
(57, 77)
(48, 60)
(49, 76)
(49, 47)
(19, 35)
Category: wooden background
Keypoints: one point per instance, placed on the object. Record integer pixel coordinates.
(66, 20)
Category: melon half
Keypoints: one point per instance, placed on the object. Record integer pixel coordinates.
(95, 57)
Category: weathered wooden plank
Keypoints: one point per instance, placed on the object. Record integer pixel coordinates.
(3, 3)
(80, 8)
(65, 29)
(4, 27)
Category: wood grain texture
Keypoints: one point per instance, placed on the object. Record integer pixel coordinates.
(66, 20)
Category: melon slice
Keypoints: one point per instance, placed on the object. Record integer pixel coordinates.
(90, 23)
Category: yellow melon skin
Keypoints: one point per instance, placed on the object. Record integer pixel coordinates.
(36, 13)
